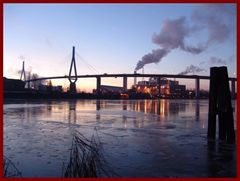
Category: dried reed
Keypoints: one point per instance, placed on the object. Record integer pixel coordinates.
(9, 168)
(86, 158)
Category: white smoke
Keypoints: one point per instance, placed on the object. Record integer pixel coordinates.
(192, 69)
(173, 35)
(218, 20)
(215, 61)
(153, 57)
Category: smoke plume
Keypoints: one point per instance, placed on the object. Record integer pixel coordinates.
(192, 69)
(216, 20)
(173, 35)
(215, 60)
(153, 57)
(22, 57)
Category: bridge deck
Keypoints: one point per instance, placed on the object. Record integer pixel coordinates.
(130, 75)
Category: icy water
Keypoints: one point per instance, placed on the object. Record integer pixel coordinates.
(140, 138)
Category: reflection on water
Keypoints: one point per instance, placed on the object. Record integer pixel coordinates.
(197, 112)
(219, 153)
(162, 107)
(74, 112)
(147, 138)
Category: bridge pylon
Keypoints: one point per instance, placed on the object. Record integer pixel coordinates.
(23, 73)
(73, 70)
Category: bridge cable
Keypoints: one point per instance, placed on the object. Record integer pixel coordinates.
(88, 65)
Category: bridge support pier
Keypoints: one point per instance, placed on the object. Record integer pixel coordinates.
(125, 83)
(73, 87)
(98, 85)
(233, 89)
(197, 87)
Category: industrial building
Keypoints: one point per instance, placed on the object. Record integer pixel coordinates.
(47, 88)
(162, 88)
(105, 89)
(12, 85)
(108, 91)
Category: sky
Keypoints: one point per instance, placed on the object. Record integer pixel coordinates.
(119, 38)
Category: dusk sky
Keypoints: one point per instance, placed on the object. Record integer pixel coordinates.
(113, 38)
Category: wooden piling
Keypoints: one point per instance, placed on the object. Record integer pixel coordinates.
(212, 109)
(220, 104)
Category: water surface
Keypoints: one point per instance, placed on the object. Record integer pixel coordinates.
(140, 138)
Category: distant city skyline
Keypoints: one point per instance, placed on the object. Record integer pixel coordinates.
(119, 38)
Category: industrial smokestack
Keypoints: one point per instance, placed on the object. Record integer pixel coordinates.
(135, 78)
(143, 73)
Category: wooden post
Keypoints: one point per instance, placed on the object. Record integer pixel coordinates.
(233, 89)
(212, 109)
(225, 108)
(220, 103)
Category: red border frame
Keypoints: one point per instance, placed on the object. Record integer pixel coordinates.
(1, 97)
(117, 1)
(238, 88)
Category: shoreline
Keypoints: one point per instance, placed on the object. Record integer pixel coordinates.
(67, 96)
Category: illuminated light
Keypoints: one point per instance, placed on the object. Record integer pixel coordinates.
(148, 90)
(163, 108)
(145, 107)
(123, 95)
